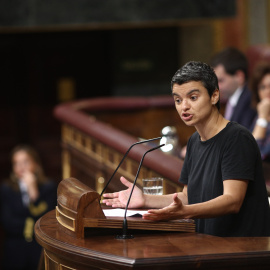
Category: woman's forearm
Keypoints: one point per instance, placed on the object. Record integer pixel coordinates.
(161, 201)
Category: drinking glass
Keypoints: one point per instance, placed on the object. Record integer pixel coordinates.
(153, 186)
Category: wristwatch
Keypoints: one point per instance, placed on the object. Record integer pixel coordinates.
(262, 122)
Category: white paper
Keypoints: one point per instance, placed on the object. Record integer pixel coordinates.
(118, 212)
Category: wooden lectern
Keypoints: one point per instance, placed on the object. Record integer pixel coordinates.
(78, 207)
(62, 234)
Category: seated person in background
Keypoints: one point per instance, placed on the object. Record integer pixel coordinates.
(260, 85)
(25, 197)
(231, 68)
(224, 188)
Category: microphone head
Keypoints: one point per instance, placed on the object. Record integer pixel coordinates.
(170, 139)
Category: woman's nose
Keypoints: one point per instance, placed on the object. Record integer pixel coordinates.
(185, 104)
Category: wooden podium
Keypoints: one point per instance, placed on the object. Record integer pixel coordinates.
(156, 245)
(148, 250)
(78, 208)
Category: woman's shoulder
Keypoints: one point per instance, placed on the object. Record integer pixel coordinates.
(8, 189)
(8, 184)
(234, 127)
(195, 136)
(239, 134)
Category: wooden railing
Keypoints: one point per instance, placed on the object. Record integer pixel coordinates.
(97, 132)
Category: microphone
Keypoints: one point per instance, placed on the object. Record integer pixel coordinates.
(145, 141)
(125, 235)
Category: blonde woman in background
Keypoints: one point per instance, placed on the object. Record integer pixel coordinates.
(25, 197)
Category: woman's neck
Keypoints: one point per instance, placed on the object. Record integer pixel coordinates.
(212, 127)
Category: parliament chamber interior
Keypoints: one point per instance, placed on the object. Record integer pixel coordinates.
(82, 81)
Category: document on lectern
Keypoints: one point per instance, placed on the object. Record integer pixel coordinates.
(118, 212)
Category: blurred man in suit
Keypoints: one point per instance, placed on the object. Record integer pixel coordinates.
(231, 68)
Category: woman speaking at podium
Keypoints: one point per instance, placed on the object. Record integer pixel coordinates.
(224, 188)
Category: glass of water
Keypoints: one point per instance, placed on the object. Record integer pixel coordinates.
(153, 186)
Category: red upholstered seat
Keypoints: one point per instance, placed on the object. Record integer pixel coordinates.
(257, 53)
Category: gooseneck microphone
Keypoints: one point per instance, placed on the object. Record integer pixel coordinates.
(125, 227)
(145, 141)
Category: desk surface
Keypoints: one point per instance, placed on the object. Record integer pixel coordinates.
(158, 250)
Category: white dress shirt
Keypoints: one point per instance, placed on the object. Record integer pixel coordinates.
(233, 100)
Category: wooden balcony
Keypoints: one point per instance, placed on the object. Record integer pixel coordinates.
(97, 132)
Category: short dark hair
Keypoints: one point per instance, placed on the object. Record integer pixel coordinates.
(199, 72)
(232, 59)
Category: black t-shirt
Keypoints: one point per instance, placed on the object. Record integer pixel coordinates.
(232, 154)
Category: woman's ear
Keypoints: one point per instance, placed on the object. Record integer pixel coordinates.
(215, 97)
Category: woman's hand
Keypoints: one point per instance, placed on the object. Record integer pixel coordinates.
(174, 211)
(29, 179)
(119, 199)
(263, 109)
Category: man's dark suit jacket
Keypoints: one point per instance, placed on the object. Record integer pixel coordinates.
(243, 113)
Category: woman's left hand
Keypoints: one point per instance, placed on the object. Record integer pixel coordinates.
(174, 211)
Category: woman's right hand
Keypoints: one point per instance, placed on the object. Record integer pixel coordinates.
(30, 181)
(263, 109)
(119, 199)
